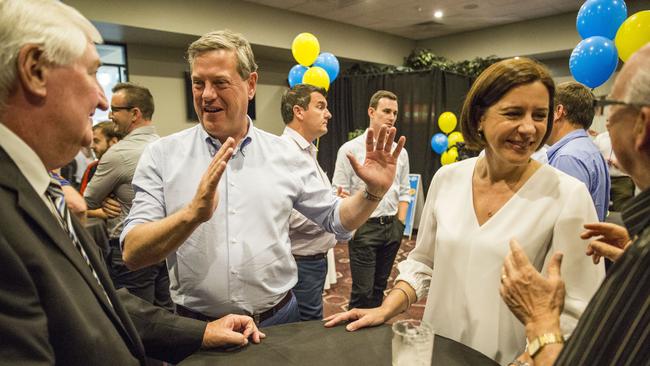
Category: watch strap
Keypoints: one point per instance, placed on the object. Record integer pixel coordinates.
(539, 342)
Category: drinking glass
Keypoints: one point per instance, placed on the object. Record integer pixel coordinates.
(412, 343)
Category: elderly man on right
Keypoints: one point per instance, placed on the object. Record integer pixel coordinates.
(613, 330)
(215, 199)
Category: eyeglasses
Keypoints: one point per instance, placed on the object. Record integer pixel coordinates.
(600, 104)
(115, 109)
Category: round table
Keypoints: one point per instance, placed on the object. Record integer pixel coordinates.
(311, 344)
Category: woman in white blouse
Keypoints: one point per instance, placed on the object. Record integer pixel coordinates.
(476, 206)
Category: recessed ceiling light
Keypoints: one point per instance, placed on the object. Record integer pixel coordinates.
(437, 14)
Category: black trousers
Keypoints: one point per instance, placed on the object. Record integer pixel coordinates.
(150, 284)
(622, 189)
(372, 253)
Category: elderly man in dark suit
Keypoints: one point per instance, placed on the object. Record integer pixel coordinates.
(57, 303)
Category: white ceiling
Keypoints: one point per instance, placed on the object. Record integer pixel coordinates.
(413, 19)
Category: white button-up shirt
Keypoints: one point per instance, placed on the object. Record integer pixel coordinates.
(241, 258)
(345, 177)
(307, 238)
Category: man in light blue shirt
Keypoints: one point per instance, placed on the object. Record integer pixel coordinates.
(572, 151)
(215, 199)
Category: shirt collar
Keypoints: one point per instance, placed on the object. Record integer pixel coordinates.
(636, 214)
(299, 139)
(214, 144)
(144, 130)
(579, 133)
(26, 159)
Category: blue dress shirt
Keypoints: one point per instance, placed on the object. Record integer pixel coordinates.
(239, 260)
(576, 155)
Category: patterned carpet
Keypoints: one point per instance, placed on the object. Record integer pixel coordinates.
(336, 299)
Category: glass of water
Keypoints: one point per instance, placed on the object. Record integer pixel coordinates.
(412, 343)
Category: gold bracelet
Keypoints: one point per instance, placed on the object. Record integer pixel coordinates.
(539, 342)
(408, 299)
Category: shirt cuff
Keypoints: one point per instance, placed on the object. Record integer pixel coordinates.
(416, 274)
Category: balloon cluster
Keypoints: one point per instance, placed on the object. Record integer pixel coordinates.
(606, 36)
(313, 68)
(445, 143)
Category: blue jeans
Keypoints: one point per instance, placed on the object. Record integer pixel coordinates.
(288, 314)
(309, 289)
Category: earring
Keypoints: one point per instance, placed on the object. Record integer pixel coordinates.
(480, 134)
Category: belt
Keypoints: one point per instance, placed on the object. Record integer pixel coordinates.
(272, 311)
(189, 313)
(313, 257)
(381, 220)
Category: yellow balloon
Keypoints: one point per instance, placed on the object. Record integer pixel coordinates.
(316, 76)
(447, 122)
(633, 34)
(454, 137)
(305, 49)
(449, 156)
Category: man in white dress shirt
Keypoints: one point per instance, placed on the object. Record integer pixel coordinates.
(304, 110)
(215, 199)
(375, 244)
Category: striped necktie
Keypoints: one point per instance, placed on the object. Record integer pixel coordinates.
(55, 194)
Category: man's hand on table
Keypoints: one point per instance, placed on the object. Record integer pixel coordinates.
(231, 330)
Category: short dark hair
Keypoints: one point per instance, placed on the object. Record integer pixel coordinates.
(299, 95)
(374, 100)
(495, 82)
(109, 130)
(577, 101)
(137, 96)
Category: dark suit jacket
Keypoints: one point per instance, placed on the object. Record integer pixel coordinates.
(52, 309)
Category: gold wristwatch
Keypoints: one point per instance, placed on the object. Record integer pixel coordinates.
(539, 342)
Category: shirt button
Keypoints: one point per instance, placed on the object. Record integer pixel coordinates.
(232, 212)
(233, 241)
(232, 184)
(233, 271)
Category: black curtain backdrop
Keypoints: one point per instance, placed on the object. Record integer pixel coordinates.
(422, 97)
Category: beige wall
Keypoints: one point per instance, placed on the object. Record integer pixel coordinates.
(260, 24)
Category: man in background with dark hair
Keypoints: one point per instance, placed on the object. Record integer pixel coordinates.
(572, 151)
(131, 111)
(105, 135)
(374, 245)
(304, 111)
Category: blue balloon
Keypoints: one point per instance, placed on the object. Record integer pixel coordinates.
(329, 63)
(593, 61)
(295, 75)
(601, 18)
(439, 143)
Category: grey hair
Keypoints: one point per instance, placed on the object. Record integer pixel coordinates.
(638, 87)
(225, 40)
(60, 30)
